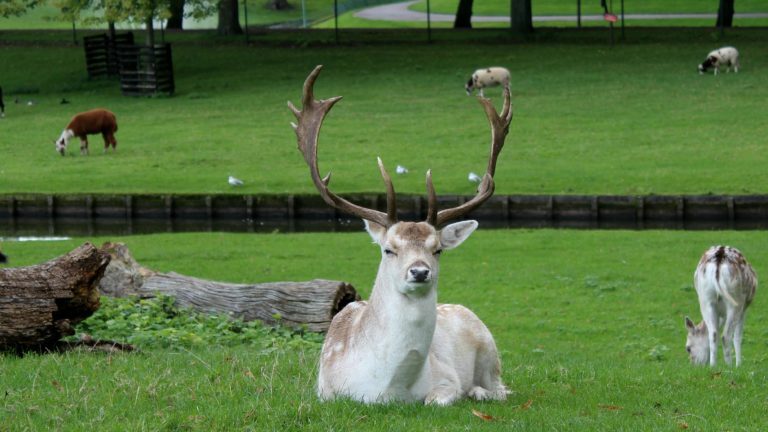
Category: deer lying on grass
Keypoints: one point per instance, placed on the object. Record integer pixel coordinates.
(726, 285)
(401, 345)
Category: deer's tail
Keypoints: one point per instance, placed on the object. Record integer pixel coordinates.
(721, 290)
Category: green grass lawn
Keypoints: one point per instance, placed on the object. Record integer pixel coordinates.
(588, 118)
(591, 7)
(316, 12)
(569, 7)
(589, 325)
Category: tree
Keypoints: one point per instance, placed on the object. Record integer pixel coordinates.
(522, 17)
(135, 11)
(278, 5)
(176, 20)
(725, 13)
(229, 18)
(463, 14)
(9, 8)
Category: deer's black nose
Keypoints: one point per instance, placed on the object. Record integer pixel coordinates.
(419, 274)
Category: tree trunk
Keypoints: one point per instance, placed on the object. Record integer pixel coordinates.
(522, 17)
(278, 5)
(175, 21)
(229, 20)
(150, 30)
(725, 13)
(40, 304)
(463, 14)
(312, 303)
(111, 29)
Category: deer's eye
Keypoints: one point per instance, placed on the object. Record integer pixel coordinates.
(389, 252)
(437, 252)
(688, 349)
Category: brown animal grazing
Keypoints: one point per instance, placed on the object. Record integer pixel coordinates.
(89, 123)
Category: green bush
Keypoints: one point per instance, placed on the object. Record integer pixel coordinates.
(158, 322)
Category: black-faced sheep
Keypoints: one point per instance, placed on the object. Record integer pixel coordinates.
(726, 56)
(487, 77)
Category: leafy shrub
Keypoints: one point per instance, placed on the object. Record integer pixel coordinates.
(159, 322)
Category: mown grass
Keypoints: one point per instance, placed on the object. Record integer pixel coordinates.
(501, 8)
(568, 7)
(46, 16)
(589, 325)
(588, 119)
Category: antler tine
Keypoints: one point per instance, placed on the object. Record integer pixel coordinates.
(391, 197)
(431, 200)
(307, 128)
(499, 130)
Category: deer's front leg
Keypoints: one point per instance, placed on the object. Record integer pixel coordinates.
(443, 394)
(446, 387)
(84, 146)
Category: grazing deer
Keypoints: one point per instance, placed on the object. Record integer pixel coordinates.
(726, 285)
(401, 345)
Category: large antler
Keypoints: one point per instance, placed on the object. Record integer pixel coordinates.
(310, 118)
(499, 130)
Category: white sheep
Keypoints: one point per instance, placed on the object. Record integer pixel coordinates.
(726, 285)
(726, 56)
(487, 77)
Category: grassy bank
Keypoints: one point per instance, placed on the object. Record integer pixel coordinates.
(589, 325)
(568, 7)
(588, 119)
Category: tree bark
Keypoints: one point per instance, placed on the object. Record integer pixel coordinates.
(725, 13)
(175, 21)
(278, 5)
(229, 20)
(150, 32)
(463, 14)
(522, 16)
(40, 304)
(312, 304)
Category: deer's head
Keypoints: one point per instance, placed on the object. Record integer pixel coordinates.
(697, 342)
(410, 250)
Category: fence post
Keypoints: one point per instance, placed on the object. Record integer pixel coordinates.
(429, 23)
(245, 11)
(336, 19)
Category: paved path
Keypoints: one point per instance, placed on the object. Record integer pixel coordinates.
(400, 12)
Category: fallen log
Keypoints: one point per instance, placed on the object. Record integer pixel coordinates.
(310, 304)
(40, 304)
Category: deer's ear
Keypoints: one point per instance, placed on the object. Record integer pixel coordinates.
(689, 324)
(455, 233)
(376, 230)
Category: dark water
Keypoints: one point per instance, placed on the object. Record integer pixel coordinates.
(118, 226)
